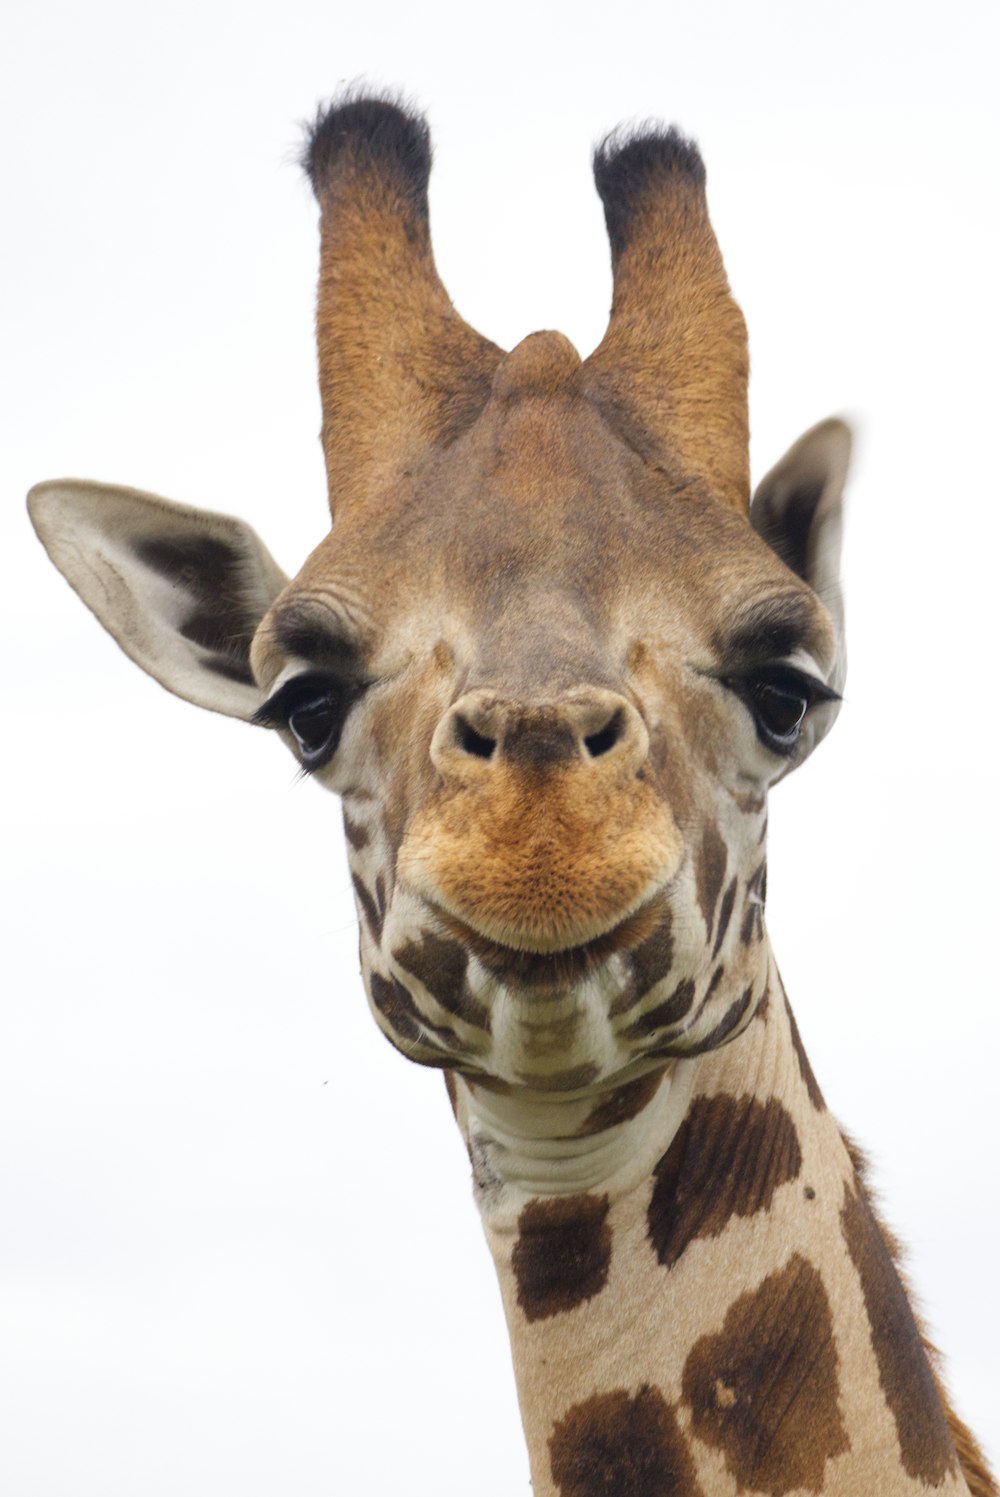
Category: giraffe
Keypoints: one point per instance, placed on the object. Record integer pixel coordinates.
(552, 658)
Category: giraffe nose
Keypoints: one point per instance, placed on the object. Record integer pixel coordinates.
(591, 727)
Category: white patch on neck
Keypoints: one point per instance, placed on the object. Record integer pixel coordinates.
(523, 1144)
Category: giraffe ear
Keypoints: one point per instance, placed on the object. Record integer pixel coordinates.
(182, 590)
(797, 510)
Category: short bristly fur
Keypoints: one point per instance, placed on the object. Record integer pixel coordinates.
(398, 367)
(675, 335)
(553, 659)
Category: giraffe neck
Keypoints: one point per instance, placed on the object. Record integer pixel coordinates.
(699, 1299)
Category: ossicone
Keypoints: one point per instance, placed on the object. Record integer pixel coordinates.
(372, 133)
(634, 161)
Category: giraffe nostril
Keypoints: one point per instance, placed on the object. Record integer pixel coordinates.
(604, 740)
(471, 742)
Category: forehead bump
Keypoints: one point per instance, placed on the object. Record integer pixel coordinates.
(541, 364)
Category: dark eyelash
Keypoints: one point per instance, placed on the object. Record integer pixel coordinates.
(788, 677)
(776, 687)
(321, 702)
(275, 711)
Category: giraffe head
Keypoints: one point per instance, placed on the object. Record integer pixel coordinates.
(550, 655)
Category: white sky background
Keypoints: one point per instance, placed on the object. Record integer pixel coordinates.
(238, 1251)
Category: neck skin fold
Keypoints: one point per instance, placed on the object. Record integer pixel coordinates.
(529, 1144)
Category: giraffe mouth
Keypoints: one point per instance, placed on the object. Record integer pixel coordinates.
(562, 968)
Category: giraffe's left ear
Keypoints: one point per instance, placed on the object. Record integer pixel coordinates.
(797, 510)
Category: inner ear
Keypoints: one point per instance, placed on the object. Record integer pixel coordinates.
(797, 510)
(787, 526)
(797, 506)
(220, 614)
(182, 590)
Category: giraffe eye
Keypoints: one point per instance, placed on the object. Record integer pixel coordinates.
(314, 721)
(779, 700)
(313, 709)
(780, 711)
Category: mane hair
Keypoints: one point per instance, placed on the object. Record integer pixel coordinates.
(970, 1456)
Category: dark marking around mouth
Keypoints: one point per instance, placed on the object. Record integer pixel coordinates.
(671, 1011)
(441, 965)
(562, 968)
(650, 962)
(396, 1005)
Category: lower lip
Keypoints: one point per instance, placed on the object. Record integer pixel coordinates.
(547, 969)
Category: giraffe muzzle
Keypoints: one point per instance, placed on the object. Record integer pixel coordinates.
(546, 832)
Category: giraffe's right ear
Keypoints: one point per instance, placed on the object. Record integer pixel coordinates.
(182, 590)
(797, 510)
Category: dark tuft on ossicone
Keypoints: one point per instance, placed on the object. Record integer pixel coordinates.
(372, 132)
(630, 162)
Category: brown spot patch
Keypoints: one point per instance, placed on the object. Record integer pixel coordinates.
(441, 966)
(621, 1105)
(728, 1158)
(622, 1445)
(764, 1389)
(562, 1254)
(711, 870)
(805, 1069)
(904, 1371)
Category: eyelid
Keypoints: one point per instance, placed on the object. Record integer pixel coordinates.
(781, 672)
(274, 712)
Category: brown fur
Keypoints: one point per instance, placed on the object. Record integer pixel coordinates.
(671, 372)
(542, 880)
(398, 367)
